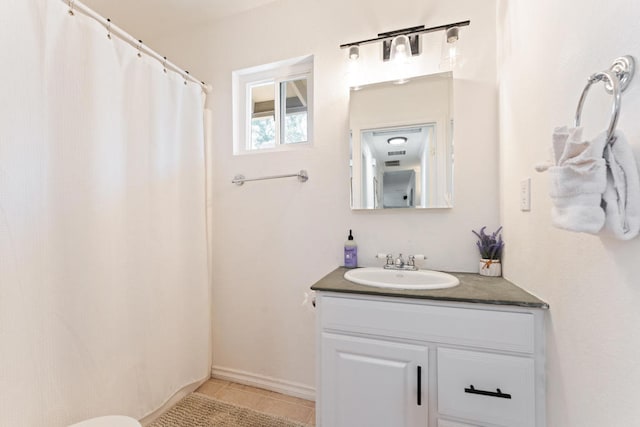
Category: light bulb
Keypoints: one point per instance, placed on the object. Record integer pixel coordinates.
(450, 49)
(400, 49)
(353, 75)
(354, 53)
(452, 34)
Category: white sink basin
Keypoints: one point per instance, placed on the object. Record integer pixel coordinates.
(401, 279)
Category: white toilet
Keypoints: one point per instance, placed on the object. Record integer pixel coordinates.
(108, 421)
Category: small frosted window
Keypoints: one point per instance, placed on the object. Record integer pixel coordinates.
(294, 96)
(263, 129)
(274, 106)
(263, 133)
(296, 128)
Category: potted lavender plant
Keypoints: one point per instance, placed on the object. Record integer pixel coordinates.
(490, 246)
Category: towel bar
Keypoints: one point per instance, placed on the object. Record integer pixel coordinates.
(616, 79)
(240, 179)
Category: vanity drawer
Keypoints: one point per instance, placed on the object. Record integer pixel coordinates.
(486, 328)
(468, 383)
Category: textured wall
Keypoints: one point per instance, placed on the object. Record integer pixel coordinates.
(274, 239)
(546, 51)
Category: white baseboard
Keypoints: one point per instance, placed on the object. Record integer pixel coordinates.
(262, 381)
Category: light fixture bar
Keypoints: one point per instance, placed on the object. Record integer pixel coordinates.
(406, 31)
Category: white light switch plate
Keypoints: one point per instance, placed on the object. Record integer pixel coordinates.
(525, 195)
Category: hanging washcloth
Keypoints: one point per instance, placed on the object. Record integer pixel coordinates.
(578, 178)
(622, 194)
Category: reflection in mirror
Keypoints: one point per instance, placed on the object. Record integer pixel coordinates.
(402, 144)
(392, 161)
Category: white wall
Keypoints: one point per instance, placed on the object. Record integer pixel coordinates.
(274, 239)
(547, 49)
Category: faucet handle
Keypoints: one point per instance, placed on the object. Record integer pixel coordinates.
(413, 258)
(388, 257)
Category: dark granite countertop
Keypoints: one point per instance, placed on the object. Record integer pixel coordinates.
(473, 288)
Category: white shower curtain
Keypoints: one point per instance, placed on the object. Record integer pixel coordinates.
(104, 301)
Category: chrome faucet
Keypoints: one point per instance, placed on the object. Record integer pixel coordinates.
(399, 263)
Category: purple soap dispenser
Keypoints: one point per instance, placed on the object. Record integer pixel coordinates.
(350, 252)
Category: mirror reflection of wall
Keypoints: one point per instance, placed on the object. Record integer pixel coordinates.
(403, 138)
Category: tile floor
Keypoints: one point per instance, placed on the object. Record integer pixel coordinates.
(261, 400)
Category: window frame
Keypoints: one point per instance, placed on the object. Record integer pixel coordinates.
(276, 73)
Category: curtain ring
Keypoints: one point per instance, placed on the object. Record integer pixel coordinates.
(70, 2)
(139, 48)
(164, 64)
(611, 82)
(185, 77)
(109, 28)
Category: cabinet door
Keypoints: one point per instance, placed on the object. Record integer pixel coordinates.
(373, 383)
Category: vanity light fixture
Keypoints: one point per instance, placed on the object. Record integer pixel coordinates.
(405, 42)
(400, 49)
(354, 53)
(397, 140)
(453, 34)
(450, 51)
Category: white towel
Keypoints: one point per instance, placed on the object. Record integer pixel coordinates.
(578, 179)
(622, 194)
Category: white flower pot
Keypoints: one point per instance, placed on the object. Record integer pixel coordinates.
(490, 267)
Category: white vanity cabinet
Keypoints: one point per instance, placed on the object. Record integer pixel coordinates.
(361, 371)
(407, 362)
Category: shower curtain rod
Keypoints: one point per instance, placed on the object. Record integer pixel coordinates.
(138, 44)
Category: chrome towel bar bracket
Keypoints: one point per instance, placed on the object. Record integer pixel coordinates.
(302, 177)
(616, 79)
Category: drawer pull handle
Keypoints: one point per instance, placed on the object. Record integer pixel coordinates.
(419, 385)
(496, 393)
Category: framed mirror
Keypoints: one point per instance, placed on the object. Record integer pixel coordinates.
(402, 144)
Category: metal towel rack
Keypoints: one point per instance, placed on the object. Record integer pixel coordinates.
(616, 79)
(302, 177)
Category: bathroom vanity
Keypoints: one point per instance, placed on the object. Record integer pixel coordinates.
(467, 356)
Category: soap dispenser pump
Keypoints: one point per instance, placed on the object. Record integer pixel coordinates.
(350, 252)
